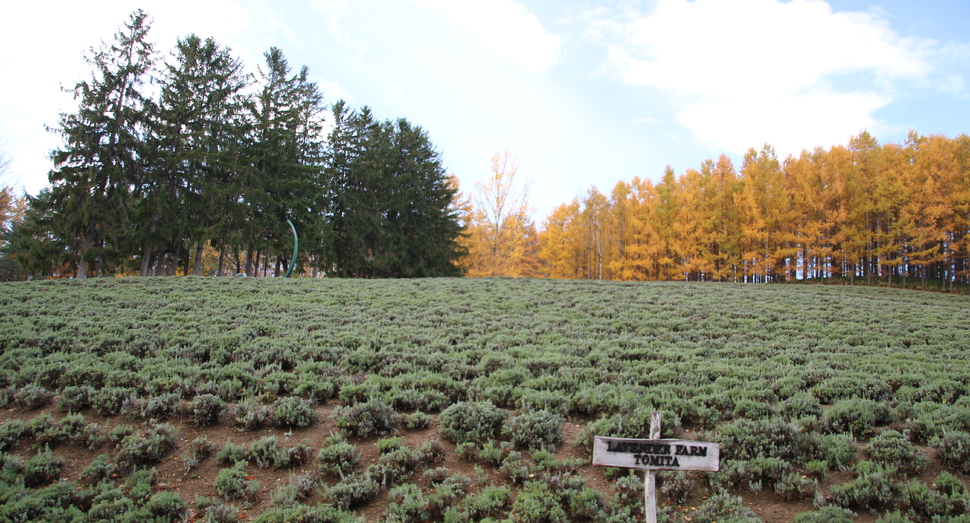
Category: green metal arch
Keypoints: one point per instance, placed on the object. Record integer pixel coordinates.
(296, 249)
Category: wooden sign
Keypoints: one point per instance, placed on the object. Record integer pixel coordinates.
(656, 454)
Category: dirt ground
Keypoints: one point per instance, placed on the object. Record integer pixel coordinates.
(174, 475)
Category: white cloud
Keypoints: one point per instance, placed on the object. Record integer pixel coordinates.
(744, 72)
(45, 44)
(506, 28)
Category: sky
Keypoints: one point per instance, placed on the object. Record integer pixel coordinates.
(583, 93)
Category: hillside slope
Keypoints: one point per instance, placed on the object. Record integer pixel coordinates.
(461, 399)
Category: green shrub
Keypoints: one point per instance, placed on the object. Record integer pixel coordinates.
(213, 511)
(555, 401)
(838, 451)
(58, 502)
(752, 409)
(893, 449)
(947, 497)
(166, 506)
(337, 456)
(120, 432)
(752, 473)
(873, 488)
(408, 503)
(676, 487)
(471, 421)
(724, 508)
(818, 469)
(748, 440)
(486, 503)
(11, 432)
(385, 445)
(954, 449)
(137, 450)
(801, 405)
(266, 452)
(42, 469)
(306, 514)
(249, 415)
(395, 465)
(534, 430)
(352, 492)
(414, 399)
(316, 388)
(199, 449)
(230, 454)
(894, 517)
(932, 420)
(827, 514)
(858, 417)
(793, 487)
(298, 455)
(32, 397)
(160, 407)
(293, 412)
(206, 409)
(416, 421)
(366, 418)
(99, 469)
(109, 400)
(536, 504)
(234, 483)
(75, 397)
(94, 436)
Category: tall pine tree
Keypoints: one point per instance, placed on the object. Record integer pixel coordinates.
(196, 146)
(103, 152)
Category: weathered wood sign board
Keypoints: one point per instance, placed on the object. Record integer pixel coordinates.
(656, 454)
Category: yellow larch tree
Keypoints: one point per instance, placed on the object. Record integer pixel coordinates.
(501, 236)
(561, 246)
(598, 233)
(931, 184)
(762, 207)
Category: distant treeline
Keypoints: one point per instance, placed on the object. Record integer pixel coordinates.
(170, 161)
(860, 212)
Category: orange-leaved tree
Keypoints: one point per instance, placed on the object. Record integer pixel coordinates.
(501, 236)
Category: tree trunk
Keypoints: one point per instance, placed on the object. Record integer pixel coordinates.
(86, 244)
(197, 269)
(176, 257)
(249, 260)
(146, 260)
(222, 257)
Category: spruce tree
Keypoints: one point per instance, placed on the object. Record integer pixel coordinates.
(286, 152)
(102, 156)
(196, 146)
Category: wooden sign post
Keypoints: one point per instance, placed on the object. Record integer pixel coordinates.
(655, 454)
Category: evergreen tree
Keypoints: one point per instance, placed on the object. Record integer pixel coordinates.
(286, 151)
(391, 202)
(355, 161)
(420, 227)
(102, 156)
(196, 146)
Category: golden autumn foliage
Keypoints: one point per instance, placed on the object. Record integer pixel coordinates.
(860, 212)
(501, 238)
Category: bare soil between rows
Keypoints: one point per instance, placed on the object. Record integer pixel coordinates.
(173, 474)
